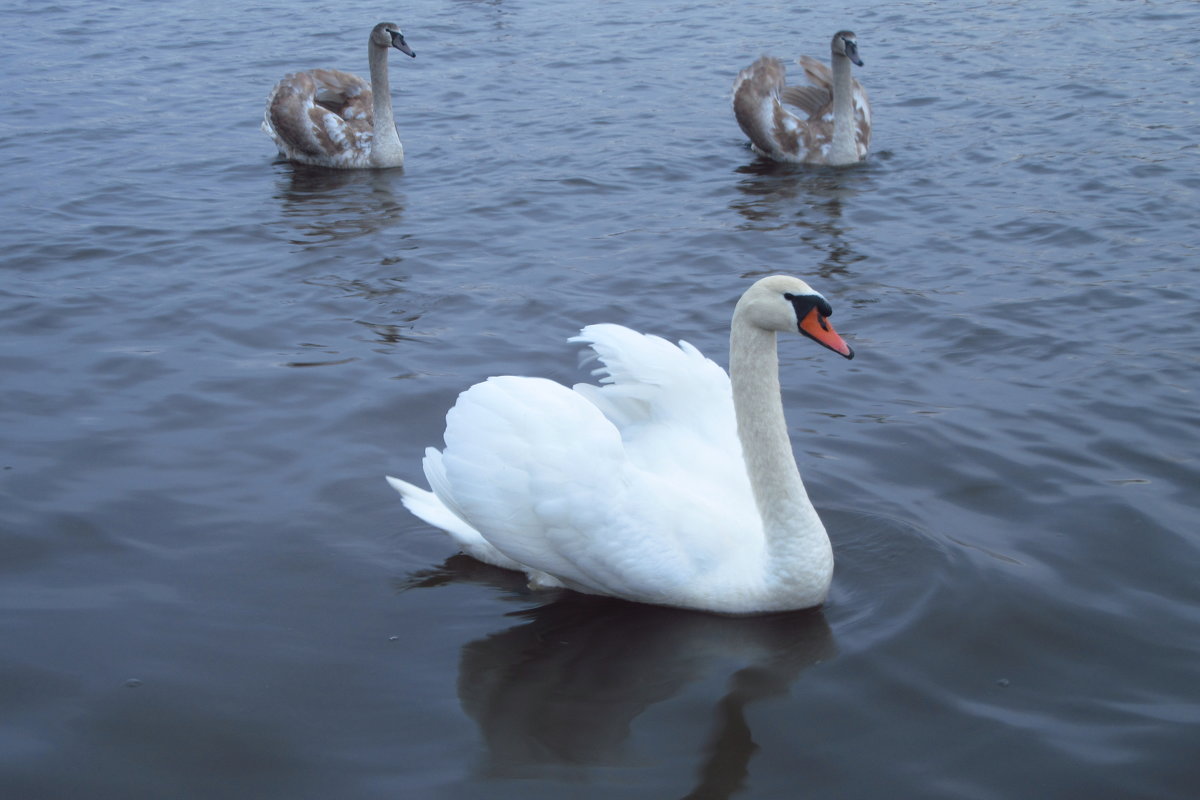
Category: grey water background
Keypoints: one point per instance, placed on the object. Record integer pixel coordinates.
(210, 359)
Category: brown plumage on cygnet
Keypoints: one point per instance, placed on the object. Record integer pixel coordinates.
(835, 127)
(331, 118)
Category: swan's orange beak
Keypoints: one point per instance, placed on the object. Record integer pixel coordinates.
(817, 328)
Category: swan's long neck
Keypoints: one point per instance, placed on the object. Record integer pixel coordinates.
(844, 149)
(386, 150)
(798, 548)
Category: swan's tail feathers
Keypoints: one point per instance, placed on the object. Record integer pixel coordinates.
(439, 484)
(760, 113)
(426, 505)
(429, 507)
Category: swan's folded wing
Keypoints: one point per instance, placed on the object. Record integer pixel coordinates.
(753, 90)
(320, 114)
(759, 110)
(545, 477)
(530, 462)
(343, 93)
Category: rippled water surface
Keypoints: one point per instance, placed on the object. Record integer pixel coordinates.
(211, 358)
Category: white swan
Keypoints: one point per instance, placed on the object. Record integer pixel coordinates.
(836, 128)
(330, 118)
(671, 483)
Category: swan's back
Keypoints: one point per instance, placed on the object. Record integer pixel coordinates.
(322, 117)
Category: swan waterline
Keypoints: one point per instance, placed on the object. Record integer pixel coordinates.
(835, 128)
(330, 118)
(671, 482)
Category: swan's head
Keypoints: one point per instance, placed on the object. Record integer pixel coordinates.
(783, 303)
(845, 43)
(387, 34)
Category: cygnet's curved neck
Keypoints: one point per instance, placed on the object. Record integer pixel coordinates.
(386, 150)
(795, 537)
(844, 149)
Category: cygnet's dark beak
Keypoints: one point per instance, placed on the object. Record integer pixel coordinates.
(851, 48)
(401, 45)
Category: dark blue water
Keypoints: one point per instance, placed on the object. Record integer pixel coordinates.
(210, 359)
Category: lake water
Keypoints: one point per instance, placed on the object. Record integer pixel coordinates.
(211, 358)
